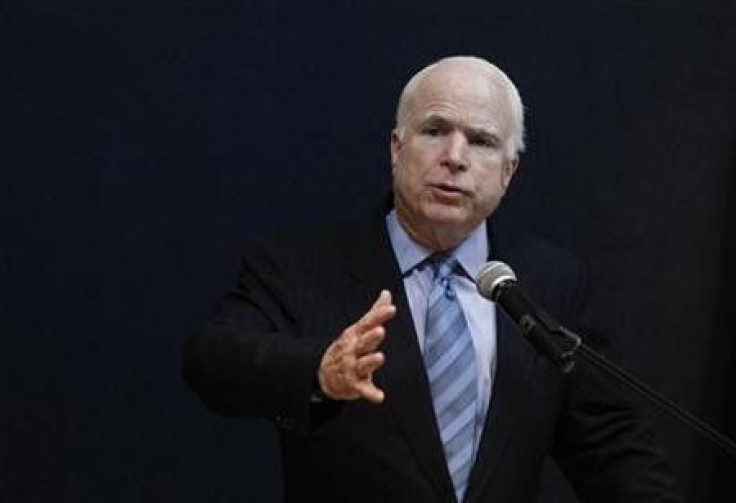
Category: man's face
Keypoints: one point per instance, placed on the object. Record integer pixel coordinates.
(450, 162)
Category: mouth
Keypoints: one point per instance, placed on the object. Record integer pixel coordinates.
(449, 189)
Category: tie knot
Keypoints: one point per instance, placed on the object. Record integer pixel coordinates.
(444, 266)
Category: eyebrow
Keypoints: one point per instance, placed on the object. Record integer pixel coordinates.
(438, 120)
(434, 120)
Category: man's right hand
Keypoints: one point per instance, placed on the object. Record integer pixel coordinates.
(346, 370)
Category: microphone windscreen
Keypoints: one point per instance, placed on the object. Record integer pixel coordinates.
(491, 275)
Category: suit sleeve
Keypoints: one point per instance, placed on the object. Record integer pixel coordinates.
(250, 359)
(603, 444)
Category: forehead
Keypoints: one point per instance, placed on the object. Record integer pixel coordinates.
(460, 93)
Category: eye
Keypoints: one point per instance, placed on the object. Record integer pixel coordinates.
(435, 127)
(431, 130)
(483, 140)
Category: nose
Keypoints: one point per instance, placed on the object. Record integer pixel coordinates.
(454, 156)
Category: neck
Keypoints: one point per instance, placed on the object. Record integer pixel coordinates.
(436, 238)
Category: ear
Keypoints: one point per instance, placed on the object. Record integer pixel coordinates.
(396, 145)
(508, 170)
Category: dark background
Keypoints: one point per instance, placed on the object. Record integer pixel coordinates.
(144, 142)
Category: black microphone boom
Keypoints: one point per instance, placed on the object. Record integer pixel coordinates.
(497, 282)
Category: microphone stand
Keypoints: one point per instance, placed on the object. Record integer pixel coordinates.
(571, 344)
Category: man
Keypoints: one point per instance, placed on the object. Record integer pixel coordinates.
(428, 394)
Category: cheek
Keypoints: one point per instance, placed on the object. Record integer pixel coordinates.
(410, 171)
(403, 178)
(491, 189)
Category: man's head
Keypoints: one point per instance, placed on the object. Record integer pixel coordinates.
(459, 131)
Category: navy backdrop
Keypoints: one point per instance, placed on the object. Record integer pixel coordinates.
(144, 142)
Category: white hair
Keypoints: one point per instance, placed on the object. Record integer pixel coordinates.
(516, 139)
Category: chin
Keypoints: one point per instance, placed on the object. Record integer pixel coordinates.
(442, 214)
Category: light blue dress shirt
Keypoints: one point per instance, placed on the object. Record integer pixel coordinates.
(417, 274)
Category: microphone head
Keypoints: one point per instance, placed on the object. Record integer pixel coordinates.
(491, 276)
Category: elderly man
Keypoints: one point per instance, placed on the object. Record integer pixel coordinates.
(388, 377)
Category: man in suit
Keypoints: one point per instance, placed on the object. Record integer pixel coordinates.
(388, 377)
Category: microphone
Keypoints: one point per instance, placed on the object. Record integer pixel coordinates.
(497, 282)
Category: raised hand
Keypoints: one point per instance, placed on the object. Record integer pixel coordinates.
(346, 370)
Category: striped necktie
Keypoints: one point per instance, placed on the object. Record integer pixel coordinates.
(449, 359)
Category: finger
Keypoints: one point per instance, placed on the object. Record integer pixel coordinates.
(369, 341)
(370, 392)
(366, 365)
(384, 298)
(377, 315)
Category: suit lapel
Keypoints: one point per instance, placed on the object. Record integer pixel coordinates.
(511, 388)
(373, 265)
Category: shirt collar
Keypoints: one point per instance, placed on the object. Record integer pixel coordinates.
(471, 254)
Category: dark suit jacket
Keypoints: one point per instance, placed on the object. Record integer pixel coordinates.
(260, 353)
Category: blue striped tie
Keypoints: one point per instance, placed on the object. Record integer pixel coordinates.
(450, 362)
